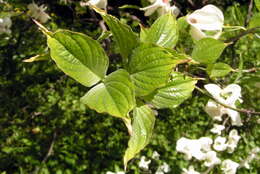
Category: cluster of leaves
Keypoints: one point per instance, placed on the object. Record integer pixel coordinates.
(56, 107)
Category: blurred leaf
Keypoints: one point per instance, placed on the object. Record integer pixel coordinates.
(126, 39)
(182, 23)
(218, 70)
(150, 67)
(114, 96)
(255, 21)
(163, 32)
(257, 4)
(78, 56)
(143, 33)
(127, 6)
(208, 50)
(143, 124)
(36, 58)
(177, 90)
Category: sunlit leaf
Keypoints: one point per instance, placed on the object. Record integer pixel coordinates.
(79, 56)
(114, 96)
(143, 124)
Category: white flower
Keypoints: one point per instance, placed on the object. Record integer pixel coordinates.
(143, 163)
(233, 139)
(164, 168)
(205, 143)
(211, 159)
(190, 171)
(162, 7)
(227, 96)
(155, 155)
(115, 173)
(191, 148)
(217, 129)
(5, 25)
(220, 144)
(98, 3)
(38, 12)
(229, 166)
(208, 19)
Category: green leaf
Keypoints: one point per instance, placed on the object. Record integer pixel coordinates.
(143, 33)
(150, 67)
(143, 124)
(164, 31)
(255, 21)
(79, 56)
(208, 50)
(114, 96)
(126, 39)
(218, 70)
(257, 4)
(178, 89)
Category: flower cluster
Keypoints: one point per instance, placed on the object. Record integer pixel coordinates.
(5, 25)
(228, 96)
(161, 6)
(38, 12)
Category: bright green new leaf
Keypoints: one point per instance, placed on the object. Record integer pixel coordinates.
(150, 67)
(208, 50)
(218, 70)
(255, 21)
(36, 58)
(114, 96)
(126, 39)
(143, 33)
(164, 31)
(143, 124)
(79, 56)
(178, 89)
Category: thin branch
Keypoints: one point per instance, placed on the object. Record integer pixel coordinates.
(49, 153)
(227, 106)
(236, 38)
(249, 12)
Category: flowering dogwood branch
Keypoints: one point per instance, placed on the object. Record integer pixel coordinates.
(227, 106)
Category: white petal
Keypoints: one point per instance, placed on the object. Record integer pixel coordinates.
(214, 110)
(235, 117)
(214, 90)
(197, 34)
(208, 18)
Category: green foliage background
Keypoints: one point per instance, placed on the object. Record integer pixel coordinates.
(38, 103)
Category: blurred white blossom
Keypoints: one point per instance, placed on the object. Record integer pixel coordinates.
(5, 25)
(121, 172)
(211, 159)
(143, 163)
(189, 171)
(229, 167)
(155, 155)
(164, 168)
(220, 144)
(217, 129)
(191, 148)
(38, 12)
(233, 139)
(227, 96)
(205, 143)
(162, 7)
(98, 3)
(206, 22)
